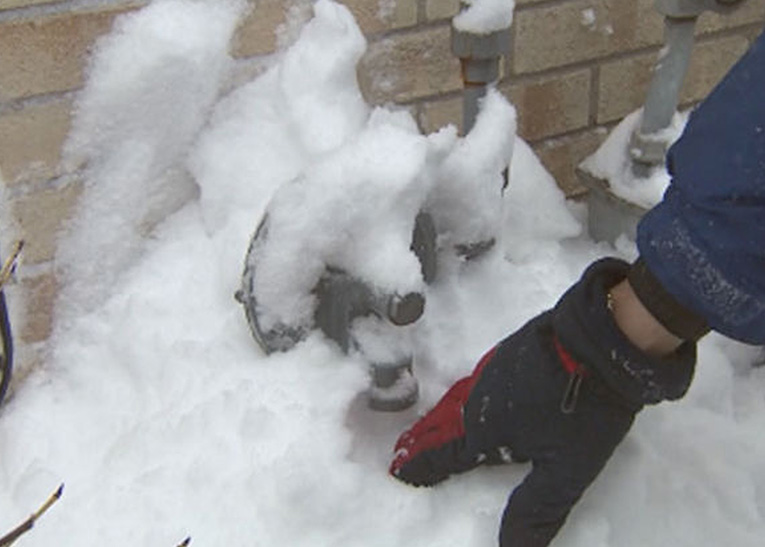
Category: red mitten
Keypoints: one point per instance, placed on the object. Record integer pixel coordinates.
(429, 451)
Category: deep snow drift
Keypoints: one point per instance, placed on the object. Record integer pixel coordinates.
(164, 418)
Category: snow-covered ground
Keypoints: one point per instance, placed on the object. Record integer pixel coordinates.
(165, 419)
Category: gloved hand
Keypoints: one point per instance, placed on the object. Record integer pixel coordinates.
(430, 451)
(562, 391)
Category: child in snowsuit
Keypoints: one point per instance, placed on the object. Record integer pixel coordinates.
(563, 391)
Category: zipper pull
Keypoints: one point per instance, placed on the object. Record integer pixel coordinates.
(571, 395)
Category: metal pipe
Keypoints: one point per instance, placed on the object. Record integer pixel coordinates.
(341, 299)
(480, 56)
(648, 147)
(663, 95)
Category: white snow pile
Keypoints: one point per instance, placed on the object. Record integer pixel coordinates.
(467, 203)
(333, 214)
(611, 162)
(485, 16)
(165, 420)
(151, 88)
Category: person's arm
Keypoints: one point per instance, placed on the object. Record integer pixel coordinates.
(649, 316)
(705, 241)
(539, 506)
(637, 323)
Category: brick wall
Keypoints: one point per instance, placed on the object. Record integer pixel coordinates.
(576, 67)
(43, 49)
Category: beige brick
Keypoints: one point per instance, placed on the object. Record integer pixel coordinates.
(375, 16)
(437, 114)
(546, 106)
(256, 34)
(31, 140)
(709, 63)
(581, 30)
(40, 216)
(624, 83)
(10, 4)
(552, 105)
(746, 13)
(48, 55)
(441, 9)
(410, 66)
(623, 86)
(561, 156)
(39, 296)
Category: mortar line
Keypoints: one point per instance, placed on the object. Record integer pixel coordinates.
(27, 13)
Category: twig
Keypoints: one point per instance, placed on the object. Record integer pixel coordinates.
(9, 538)
(10, 263)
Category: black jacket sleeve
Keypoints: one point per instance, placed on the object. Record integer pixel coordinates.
(538, 507)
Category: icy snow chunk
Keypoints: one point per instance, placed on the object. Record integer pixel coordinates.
(535, 208)
(150, 78)
(247, 151)
(265, 132)
(151, 84)
(352, 209)
(317, 79)
(485, 16)
(466, 202)
(612, 162)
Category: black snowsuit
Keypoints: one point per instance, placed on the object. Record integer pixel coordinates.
(561, 392)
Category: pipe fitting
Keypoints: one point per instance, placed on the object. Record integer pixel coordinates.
(685, 9)
(479, 56)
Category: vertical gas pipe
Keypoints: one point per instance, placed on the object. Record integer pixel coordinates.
(648, 148)
(479, 55)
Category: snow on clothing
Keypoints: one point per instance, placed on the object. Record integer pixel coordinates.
(562, 392)
(705, 242)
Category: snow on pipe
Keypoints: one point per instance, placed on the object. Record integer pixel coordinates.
(648, 147)
(342, 298)
(479, 53)
(479, 41)
(480, 36)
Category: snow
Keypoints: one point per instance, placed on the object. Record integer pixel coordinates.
(473, 170)
(332, 216)
(165, 420)
(484, 16)
(588, 18)
(134, 127)
(611, 162)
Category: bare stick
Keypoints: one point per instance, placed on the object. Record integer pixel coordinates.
(9, 538)
(10, 263)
